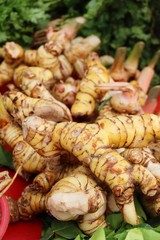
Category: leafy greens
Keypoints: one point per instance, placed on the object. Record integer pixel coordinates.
(116, 229)
(19, 19)
(6, 158)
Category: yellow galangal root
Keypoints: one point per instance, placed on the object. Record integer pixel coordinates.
(78, 197)
(12, 55)
(20, 106)
(50, 56)
(94, 144)
(87, 95)
(75, 197)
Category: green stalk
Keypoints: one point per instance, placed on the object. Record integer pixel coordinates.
(119, 59)
(154, 60)
(131, 64)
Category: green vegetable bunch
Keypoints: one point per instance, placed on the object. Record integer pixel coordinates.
(20, 19)
(117, 24)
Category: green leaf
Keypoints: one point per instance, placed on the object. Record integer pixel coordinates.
(157, 229)
(23, 17)
(99, 234)
(114, 220)
(123, 227)
(150, 234)
(109, 232)
(134, 234)
(47, 233)
(64, 230)
(6, 158)
(103, 103)
(69, 229)
(94, 7)
(59, 238)
(139, 209)
(3, 37)
(121, 236)
(137, 31)
(78, 237)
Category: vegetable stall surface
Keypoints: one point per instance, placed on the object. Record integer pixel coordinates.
(79, 158)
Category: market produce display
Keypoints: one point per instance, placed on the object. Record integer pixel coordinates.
(77, 128)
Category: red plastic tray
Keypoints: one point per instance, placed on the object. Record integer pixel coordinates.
(24, 230)
(4, 216)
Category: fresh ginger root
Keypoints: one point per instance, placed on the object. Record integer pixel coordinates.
(56, 168)
(75, 197)
(123, 69)
(12, 54)
(124, 97)
(144, 157)
(74, 49)
(20, 106)
(131, 97)
(79, 50)
(61, 38)
(49, 56)
(106, 111)
(24, 155)
(117, 70)
(69, 26)
(81, 47)
(28, 205)
(42, 75)
(66, 91)
(78, 197)
(6, 73)
(84, 104)
(64, 29)
(26, 160)
(93, 145)
(32, 200)
(35, 82)
(155, 148)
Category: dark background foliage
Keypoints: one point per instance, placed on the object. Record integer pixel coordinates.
(117, 23)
